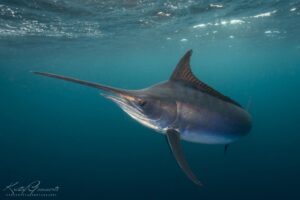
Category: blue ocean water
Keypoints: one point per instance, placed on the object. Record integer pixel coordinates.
(69, 136)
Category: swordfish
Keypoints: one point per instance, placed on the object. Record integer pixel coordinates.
(181, 108)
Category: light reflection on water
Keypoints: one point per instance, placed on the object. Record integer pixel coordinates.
(179, 20)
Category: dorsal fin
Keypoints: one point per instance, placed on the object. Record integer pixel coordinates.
(183, 73)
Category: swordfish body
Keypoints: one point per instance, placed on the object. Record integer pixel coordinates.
(181, 108)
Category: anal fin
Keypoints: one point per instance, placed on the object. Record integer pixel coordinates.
(226, 148)
(173, 138)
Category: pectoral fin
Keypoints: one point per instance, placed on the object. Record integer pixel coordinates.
(174, 142)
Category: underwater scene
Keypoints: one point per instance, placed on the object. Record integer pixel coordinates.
(61, 140)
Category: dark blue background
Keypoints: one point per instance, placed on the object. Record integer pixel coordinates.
(68, 135)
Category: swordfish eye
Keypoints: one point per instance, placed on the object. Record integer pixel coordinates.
(142, 103)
